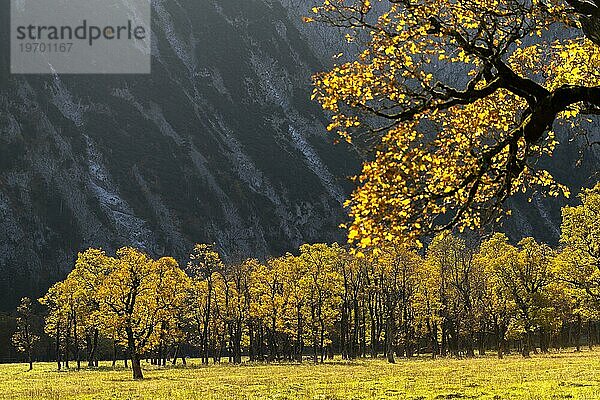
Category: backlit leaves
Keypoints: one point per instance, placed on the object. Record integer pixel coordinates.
(448, 102)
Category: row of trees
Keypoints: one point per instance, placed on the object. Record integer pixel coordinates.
(458, 297)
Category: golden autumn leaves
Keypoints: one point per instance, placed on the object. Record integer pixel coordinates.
(444, 97)
(130, 298)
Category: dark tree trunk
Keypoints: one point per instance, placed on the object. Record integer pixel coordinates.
(589, 335)
(355, 332)
(136, 367)
(273, 340)
(500, 338)
(314, 335)
(252, 347)
(261, 342)
(67, 346)
(322, 338)
(374, 339)
(408, 344)
(175, 354)
(95, 347)
(500, 348)
(444, 350)
(390, 329)
(544, 341)
(237, 344)
(578, 334)
(481, 341)
(88, 348)
(76, 340)
(363, 335)
(135, 357)
(389, 341)
(470, 345)
(315, 350)
(58, 344)
(299, 343)
(205, 331)
(434, 341)
(526, 350)
(344, 331)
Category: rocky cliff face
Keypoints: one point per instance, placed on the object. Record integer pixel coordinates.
(220, 144)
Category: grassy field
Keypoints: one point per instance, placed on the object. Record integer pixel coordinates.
(556, 376)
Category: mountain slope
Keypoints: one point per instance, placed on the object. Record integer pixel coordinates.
(220, 144)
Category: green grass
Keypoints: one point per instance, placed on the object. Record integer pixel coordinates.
(555, 376)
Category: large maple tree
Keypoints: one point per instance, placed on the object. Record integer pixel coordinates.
(456, 102)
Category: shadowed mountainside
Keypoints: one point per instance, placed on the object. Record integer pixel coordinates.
(221, 143)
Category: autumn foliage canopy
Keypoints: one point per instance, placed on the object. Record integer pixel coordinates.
(455, 103)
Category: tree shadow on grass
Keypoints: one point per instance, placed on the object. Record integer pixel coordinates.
(130, 379)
